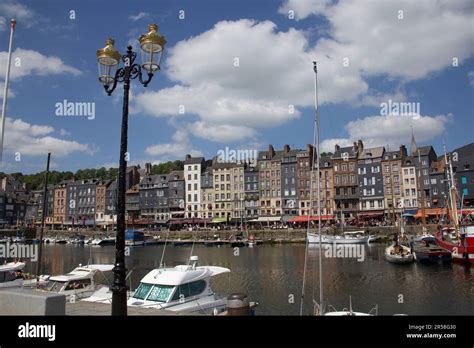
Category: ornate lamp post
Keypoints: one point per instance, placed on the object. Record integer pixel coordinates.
(151, 45)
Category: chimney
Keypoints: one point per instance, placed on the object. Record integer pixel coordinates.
(271, 151)
(147, 168)
(286, 148)
(360, 145)
(403, 151)
(337, 147)
(188, 157)
(309, 148)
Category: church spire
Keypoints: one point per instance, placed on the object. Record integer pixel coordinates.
(414, 148)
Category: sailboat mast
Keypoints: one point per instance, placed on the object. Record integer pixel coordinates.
(452, 192)
(421, 180)
(313, 159)
(318, 184)
(5, 90)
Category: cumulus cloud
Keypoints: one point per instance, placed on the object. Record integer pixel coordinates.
(179, 146)
(242, 76)
(36, 140)
(301, 9)
(390, 130)
(29, 62)
(395, 38)
(12, 9)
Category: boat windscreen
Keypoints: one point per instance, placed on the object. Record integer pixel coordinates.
(160, 293)
(54, 285)
(142, 290)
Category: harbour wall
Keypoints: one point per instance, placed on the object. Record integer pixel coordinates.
(275, 235)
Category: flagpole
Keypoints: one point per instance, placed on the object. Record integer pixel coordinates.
(5, 90)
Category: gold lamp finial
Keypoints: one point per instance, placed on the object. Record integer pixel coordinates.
(108, 55)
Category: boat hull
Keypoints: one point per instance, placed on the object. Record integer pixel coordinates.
(405, 258)
(314, 238)
(462, 252)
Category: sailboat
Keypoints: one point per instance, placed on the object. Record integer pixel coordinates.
(455, 237)
(319, 307)
(398, 252)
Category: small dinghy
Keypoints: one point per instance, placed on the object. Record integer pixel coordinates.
(397, 253)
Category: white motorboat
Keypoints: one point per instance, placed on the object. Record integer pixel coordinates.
(5, 239)
(349, 237)
(103, 241)
(373, 238)
(81, 282)
(11, 274)
(184, 288)
(423, 236)
(18, 240)
(333, 312)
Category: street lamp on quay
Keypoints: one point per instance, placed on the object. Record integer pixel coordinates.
(151, 45)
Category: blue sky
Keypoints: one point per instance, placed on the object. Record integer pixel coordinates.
(402, 56)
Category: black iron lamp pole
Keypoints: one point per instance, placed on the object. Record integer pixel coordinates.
(152, 47)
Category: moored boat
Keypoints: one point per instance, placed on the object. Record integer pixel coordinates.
(81, 282)
(134, 238)
(460, 246)
(427, 250)
(397, 253)
(11, 274)
(348, 237)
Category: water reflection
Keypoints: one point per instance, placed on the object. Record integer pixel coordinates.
(272, 275)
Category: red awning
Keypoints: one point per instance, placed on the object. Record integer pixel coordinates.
(194, 221)
(304, 218)
(371, 214)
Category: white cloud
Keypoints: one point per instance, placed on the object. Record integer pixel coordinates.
(11, 93)
(35, 140)
(390, 130)
(302, 9)
(275, 67)
(63, 132)
(221, 133)
(12, 9)
(470, 76)
(28, 62)
(139, 16)
(377, 42)
(179, 146)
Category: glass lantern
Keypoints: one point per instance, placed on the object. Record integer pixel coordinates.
(152, 45)
(108, 59)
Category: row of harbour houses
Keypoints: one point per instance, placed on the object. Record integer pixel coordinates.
(355, 182)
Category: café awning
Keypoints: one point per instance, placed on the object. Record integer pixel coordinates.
(269, 218)
(304, 218)
(430, 212)
(217, 220)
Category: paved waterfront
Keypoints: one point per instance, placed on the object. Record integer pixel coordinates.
(90, 308)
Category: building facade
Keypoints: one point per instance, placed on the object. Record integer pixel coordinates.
(269, 167)
(289, 194)
(393, 180)
(177, 194)
(251, 192)
(346, 195)
(371, 184)
(410, 183)
(193, 167)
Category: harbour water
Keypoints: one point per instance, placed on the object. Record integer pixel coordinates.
(273, 274)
